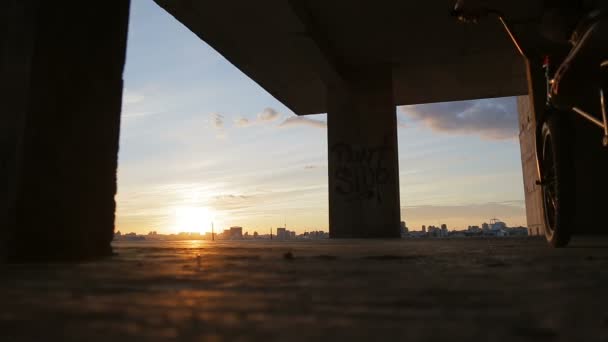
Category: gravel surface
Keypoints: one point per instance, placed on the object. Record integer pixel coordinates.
(502, 289)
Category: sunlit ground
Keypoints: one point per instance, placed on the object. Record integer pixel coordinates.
(504, 289)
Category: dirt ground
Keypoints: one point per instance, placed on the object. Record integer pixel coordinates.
(500, 289)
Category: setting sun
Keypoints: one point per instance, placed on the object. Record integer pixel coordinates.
(192, 219)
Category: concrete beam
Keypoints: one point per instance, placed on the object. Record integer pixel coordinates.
(325, 59)
(62, 66)
(363, 158)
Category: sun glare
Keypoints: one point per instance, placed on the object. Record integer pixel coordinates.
(192, 219)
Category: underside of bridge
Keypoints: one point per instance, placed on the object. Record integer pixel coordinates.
(355, 60)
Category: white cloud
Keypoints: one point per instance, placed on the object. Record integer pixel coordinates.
(494, 119)
(134, 114)
(133, 105)
(303, 121)
(268, 114)
(217, 120)
(130, 98)
(242, 122)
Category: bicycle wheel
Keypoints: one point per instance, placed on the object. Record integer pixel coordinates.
(558, 191)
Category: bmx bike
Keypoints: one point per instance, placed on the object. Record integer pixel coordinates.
(571, 74)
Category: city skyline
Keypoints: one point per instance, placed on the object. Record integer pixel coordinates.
(219, 230)
(201, 142)
(495, 228)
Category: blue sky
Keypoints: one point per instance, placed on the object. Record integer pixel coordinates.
(201, 140)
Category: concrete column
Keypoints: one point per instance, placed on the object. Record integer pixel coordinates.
(532, 191)
(61, 76)
(531, 110)
(16, 46)
(363, 159)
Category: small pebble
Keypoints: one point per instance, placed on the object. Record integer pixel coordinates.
(288, 256)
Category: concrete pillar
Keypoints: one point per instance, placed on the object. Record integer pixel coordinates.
(531, 110)
(363, 159)
(532, 191)
(61, 76)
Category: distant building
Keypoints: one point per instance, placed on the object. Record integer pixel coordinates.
(133, 237)
(444, 230)
(417, 234)
(496, 224)
(495, 228)
(474, 229)
(518, 231)
(403, 229)
(284, 234)
(437, 231)
(281, 233)
(314, 235)
(235, 233)
(458, 233)
(498, 228)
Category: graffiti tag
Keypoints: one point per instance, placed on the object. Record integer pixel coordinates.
(361, 172)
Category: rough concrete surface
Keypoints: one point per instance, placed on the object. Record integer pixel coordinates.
(61, 66)
(416, 290)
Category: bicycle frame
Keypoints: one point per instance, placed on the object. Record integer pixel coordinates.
(603, 124)
(551, 84)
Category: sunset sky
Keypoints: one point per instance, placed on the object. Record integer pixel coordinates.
(200, 141)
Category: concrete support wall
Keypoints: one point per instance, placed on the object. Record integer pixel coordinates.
(61, 77)
(14, 82)
(527, 127)
(363, 159)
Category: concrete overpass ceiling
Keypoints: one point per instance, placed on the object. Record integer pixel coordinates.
(296, 49)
